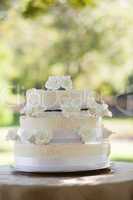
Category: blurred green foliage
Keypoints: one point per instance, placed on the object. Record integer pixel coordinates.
(31, 8)
(92, 44)
(5, 4)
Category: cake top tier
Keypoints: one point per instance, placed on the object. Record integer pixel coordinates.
(59, 96)
(59, 82)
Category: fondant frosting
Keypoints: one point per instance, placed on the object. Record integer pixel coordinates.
(61, 129)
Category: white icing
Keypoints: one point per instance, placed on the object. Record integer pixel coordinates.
(33, 97)
(91, 102)
(70, 107)
(33, 111)
(60, 158)
(57, 82)
(34, 103)
(27, 110)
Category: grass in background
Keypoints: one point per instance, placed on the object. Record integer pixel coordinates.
(122, 151)
(6, 148)
(6, 155)
(122, 140)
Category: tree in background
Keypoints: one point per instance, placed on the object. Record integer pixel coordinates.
(92, 43)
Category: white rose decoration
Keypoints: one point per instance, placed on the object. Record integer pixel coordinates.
(66, 83)
(57, 82)
(102, 110)
(26, 136)
(42, 137)
(87, 134)
(53, 83)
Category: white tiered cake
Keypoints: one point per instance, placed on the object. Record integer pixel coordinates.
(61, 130)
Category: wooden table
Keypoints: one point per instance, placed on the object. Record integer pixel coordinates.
(102, 185)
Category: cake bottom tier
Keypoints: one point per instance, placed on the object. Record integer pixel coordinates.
(61, 157)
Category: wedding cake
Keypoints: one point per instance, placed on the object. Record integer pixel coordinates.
(61, 130)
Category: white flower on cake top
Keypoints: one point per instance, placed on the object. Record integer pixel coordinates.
(57, 82)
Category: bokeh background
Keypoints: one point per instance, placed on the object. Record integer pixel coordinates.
(92, 40)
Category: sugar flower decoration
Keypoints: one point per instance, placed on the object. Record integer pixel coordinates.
(87, 134)
(101, 110)
(57, 82)
(42, 137)
(35, 136)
